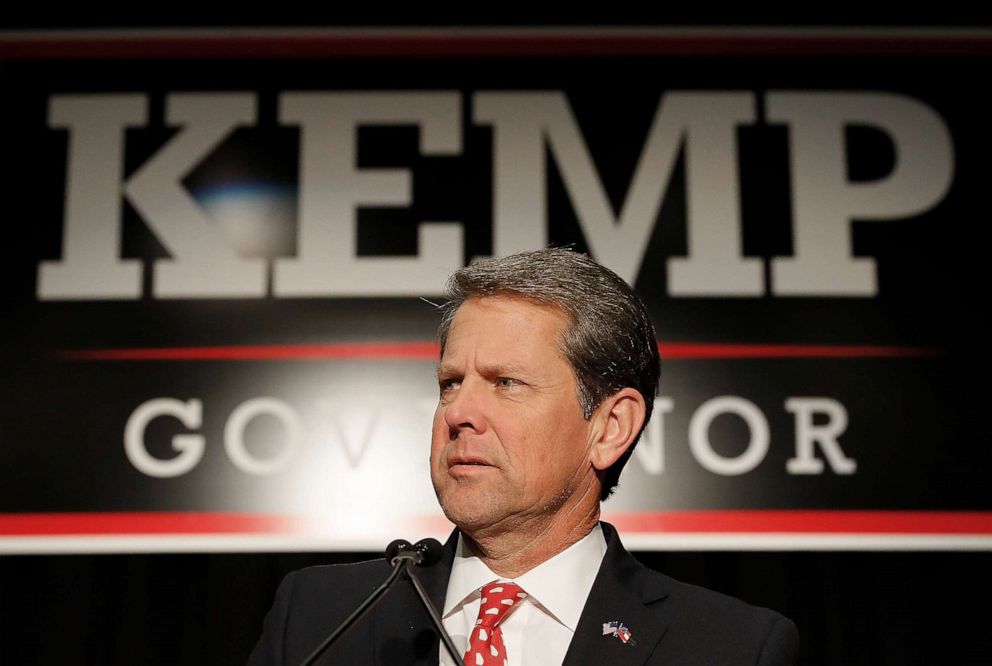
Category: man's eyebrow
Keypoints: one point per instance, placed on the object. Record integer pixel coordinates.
(495, 370)
(500, 370)
(446, 370)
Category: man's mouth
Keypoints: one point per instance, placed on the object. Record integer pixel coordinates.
(467, 463)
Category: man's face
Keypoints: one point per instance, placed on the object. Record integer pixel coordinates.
(509, 443)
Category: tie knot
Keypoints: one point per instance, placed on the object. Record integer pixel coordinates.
(497, 600)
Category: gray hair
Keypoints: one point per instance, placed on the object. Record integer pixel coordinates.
(611, 343)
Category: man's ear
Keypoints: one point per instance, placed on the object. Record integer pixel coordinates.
(618, 421)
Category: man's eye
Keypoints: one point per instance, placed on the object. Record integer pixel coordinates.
(506, 382)
(448, 384)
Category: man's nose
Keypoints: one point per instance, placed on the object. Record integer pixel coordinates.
(465, 408)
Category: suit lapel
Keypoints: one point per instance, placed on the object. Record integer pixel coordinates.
(624, 591)
(403, 631)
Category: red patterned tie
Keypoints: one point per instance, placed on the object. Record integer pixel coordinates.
(485, 645)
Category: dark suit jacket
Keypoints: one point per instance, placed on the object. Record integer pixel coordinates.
(670, 622)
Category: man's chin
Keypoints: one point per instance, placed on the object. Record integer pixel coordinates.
(469, 514)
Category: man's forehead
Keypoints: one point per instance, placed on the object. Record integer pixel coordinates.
(510, 310)
(514, 326)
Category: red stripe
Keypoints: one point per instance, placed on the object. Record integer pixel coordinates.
(105, 524)
(370, 350)
(429, 351)
(695, 351)
(488, 43)
(670, 522)
(815, 522)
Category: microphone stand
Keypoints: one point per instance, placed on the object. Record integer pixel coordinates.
(402, 556)
(435, 617)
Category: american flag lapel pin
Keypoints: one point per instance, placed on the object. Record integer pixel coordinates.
(620, 630)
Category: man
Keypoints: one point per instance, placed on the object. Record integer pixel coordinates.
(548, 370)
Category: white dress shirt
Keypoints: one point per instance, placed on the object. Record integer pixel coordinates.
(538, 630)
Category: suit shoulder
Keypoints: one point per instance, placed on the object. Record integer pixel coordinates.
(728, 627)
(348, 570)
(337, 582)
(309, 604)
(698, 599)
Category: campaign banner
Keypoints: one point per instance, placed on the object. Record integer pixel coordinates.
(225, 252)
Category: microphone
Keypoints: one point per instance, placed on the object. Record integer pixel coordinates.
(401, 554)
(424, 553)
(433, 551)
(395, 548)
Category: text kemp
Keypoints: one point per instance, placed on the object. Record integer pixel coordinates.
(528, 129)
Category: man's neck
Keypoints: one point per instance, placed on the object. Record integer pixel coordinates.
(511, 553)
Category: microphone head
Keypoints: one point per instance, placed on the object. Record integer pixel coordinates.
(395, 548)
(431, 550)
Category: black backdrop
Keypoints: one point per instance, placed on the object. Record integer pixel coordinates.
(851, 607)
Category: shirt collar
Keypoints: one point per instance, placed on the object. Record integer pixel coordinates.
(560, 584)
